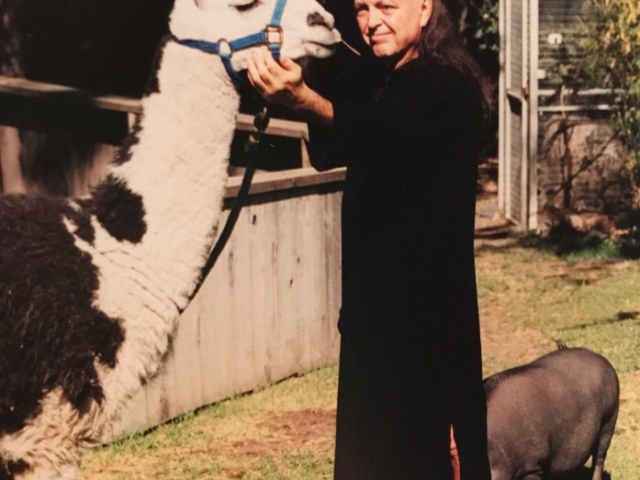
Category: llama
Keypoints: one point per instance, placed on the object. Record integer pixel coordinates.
(91, 288)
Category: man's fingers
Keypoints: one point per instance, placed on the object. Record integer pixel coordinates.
(261, 67)
(254, 75)
(277, 83)
(279, 74)
(251, 71)
(291, 71)
(287, 63)
(269, 61)
(262, 57)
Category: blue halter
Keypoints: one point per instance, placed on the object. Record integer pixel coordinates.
(265, 37)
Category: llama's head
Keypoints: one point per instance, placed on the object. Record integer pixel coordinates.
(308, 27)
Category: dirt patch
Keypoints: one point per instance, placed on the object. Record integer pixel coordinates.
(289, 431)
(232, 473)
(293, 431)
(303, 429)
(630, 389)
(628, 424)
(226, 448)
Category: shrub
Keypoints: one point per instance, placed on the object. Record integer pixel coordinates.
(612, 61)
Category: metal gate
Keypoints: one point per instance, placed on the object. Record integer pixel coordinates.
(518, 107)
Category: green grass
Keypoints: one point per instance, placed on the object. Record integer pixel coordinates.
(532, 294)
(262, 435)
(528, 295)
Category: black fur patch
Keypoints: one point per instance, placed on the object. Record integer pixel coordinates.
(8, 470)
(124, 152)
(153, 86)
(118, 209)
(84, 228)
(50, 334)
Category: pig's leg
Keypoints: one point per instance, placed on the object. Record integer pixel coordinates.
(597, 471)
(599, 455)
(602, 446)
(500, 475)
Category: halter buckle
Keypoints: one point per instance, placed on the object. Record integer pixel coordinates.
(274, 34)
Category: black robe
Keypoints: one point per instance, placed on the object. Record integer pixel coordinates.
(410, 362)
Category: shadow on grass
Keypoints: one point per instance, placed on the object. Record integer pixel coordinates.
(563, 241)
(497, 232)
(566, 241)
(619, 317)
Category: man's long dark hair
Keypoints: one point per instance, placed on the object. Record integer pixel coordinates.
(441, 43)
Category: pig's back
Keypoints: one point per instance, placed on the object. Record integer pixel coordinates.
(552, 408)
(585, 375)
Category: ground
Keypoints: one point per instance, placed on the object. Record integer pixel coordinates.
(528, 298)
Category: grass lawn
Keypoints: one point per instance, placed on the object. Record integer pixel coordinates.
(528, 298)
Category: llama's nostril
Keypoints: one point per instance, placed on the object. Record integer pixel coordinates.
(317, 20)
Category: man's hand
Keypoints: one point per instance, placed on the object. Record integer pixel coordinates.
(282, 84)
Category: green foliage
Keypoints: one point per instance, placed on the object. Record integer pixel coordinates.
(486, 33)
(612, 60)
(561, 62)
(478, 23)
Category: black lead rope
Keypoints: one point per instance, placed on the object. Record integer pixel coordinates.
(251, 150)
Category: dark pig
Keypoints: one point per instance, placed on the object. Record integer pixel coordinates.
(549, 416)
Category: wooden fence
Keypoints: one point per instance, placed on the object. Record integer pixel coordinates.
(269, 308)
(90, 128)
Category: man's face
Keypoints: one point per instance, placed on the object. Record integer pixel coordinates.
(392, 27)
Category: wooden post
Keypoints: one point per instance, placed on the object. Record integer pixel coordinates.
(306, 161)
(12, 180)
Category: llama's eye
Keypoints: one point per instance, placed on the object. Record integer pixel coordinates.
(243, 7)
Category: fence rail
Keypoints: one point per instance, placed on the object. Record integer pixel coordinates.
(49, 108)
(39, 90)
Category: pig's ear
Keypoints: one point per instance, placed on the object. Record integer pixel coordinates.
(561, 345)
